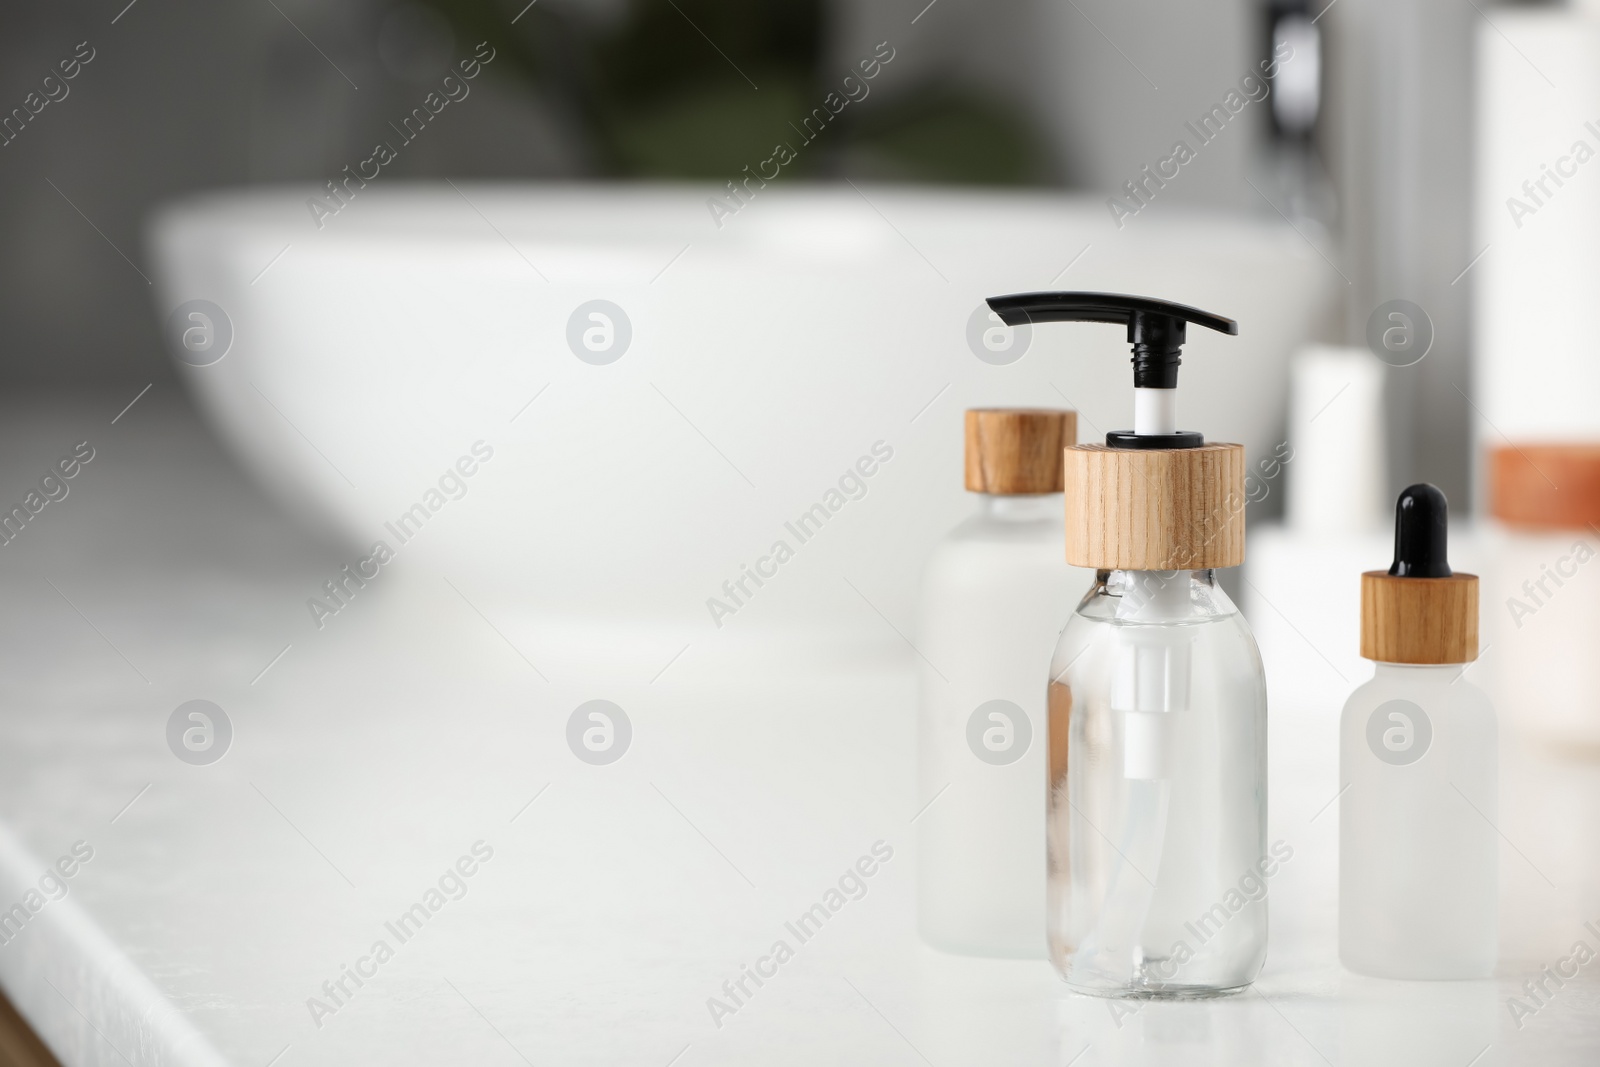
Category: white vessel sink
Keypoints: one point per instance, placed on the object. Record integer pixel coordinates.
(766, 357)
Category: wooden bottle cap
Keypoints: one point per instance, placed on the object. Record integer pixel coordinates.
(1419, 620)
(1553, 487)
(1156, 509)
(1016, 451)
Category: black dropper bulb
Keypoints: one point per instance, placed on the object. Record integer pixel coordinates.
(1421, 532)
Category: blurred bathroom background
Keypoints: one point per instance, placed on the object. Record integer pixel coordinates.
(1366, 148)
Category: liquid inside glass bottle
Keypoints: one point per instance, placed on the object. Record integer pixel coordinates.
(1157, 791)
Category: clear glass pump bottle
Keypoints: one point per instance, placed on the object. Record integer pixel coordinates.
(1157, 732)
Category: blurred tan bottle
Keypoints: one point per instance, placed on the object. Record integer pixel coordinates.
(1543, 603)
(995, 595)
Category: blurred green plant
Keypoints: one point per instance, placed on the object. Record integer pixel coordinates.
(699, 88)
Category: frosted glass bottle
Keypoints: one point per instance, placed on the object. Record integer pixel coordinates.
(995, 595)
(1418, 852)
(1418, 769)
(1157, 801)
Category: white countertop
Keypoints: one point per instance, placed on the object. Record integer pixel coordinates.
(377, 751)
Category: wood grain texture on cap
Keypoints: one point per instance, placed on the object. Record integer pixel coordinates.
(1550, 487)
(1419, 620)
(1017, 451)
(1156, 509)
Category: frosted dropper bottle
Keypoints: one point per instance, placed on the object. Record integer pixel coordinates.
(995, 595)
(1418, 770)
(1157, 736)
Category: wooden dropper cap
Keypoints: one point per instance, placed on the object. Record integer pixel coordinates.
(1017, 451)
(1420, 611)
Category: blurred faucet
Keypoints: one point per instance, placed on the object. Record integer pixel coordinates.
(1398, 107)
(1292, 170)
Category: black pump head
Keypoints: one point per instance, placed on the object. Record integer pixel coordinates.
(1156, 331)
(1421, 533)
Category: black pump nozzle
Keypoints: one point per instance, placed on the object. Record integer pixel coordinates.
(1155, 330)
(1421, 533)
